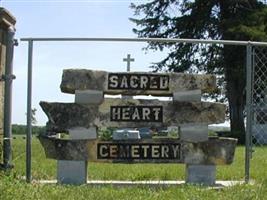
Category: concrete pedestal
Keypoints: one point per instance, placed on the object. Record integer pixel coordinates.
(71, 172)
(201, 174)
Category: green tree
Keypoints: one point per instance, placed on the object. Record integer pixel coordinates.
(33, 116)
(206, 19)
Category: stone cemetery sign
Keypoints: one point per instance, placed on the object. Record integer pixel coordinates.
(212, 152)
(129, 83)
(133, 81)
(136, 113)
(133, 113)
(92, 111)
(139, 151)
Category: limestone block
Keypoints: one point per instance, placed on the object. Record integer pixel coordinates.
(194, 132)
(89, 97)
(132, 113)
(191, 96)
(201, 174)
(63, 149)
(215, 151)
(134, 83)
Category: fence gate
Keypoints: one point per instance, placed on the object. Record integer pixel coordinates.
(257, 106)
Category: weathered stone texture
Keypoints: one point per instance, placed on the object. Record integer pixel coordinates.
(63, 116)
(219, 151)
(214, 151)
(82, 79)
(62, 149)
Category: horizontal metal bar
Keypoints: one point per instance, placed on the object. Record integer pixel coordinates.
(161, 40)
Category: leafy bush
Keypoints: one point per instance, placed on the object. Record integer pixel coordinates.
(105, 134)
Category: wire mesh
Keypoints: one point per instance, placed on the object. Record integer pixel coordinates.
(259, 96)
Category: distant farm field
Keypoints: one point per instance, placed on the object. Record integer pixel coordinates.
(12, 186)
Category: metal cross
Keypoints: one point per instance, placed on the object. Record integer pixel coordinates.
(128, 60)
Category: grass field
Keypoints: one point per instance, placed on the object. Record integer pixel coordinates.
(13, 187)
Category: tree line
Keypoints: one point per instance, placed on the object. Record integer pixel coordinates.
(18, 129)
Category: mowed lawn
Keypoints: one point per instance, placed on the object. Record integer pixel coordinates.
(12, 186)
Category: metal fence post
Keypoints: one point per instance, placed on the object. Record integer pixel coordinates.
(29, 110)
(248, 110)
(8, 78)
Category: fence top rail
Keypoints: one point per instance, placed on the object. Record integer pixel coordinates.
(161, 40)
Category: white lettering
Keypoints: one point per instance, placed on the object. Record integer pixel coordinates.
(156, 113)
(155, 151)
(125, 114)
(164, 151)
(146, 112)
(163, 83)
(124, 83)
(133, 81)
(175, 149)
(102, 149)
(153, 82)
(134, 151)
(113, 81)
(143, 82)
(135, 115)
(116, 113)
(113, 151)
(145, 148)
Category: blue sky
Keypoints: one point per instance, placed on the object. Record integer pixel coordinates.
(70, 19)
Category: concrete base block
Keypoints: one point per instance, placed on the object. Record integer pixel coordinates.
(194, 132)
(71, 172)
(83, 133)
(89, 97)
(201, 174)
(191, 96)
(126, 135)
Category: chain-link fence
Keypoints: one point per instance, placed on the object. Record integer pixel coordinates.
(256, 92)
(259, 95)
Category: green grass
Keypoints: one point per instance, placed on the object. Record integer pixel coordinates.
(13, 187)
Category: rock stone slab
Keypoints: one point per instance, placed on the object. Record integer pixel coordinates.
(84, 79)
(63, 149)
(215, 151)
(64, 116)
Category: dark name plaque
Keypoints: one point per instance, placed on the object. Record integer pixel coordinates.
(139, 151)
(134, 81)
(136, 113)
